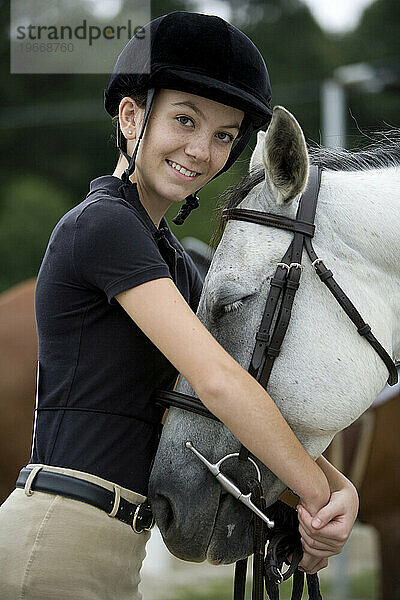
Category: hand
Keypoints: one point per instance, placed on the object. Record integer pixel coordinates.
(325, 534)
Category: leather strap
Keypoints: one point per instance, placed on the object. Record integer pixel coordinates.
(138, 516)
(255, 216)
(363, 328)
(239, 587)
(269, 338)
(305, 214)
(168, 398)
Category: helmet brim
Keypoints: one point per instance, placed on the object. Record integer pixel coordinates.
(202, 85)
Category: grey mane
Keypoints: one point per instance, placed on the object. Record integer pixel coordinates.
(384, 151)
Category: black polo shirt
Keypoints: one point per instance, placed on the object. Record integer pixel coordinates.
(97, 370)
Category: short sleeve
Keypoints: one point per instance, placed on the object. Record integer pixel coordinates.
(114, 250)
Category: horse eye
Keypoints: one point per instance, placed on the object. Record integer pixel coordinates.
(232, 306)
(221, 310)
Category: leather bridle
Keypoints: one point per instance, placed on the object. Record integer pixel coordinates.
(274, 323)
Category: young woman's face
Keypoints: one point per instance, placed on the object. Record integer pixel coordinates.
(189, 131)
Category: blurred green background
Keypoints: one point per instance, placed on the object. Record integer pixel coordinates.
(363, 586)
(56, 136)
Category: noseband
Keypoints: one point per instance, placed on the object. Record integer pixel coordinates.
(283, 541)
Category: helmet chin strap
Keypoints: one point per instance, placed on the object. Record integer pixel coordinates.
(191, 201)
(121, 141)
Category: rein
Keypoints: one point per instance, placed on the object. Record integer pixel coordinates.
(283, 538)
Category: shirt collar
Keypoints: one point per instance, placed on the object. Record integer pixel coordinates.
(112, 185)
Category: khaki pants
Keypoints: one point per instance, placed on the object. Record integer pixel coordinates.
(55, 548)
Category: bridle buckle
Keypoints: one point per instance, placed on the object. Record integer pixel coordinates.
(291, 266)
(316, 262)
(284, 266)
(296, 266)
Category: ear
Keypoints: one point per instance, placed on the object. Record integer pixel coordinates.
(256, 159)
(130, 117)
(285, 156)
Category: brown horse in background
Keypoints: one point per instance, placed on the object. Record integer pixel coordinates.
(376, 474)
(18, 352)
(375, 470)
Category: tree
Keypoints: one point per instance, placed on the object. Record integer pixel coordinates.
(375, 42)
(55, 126)
(29, 209)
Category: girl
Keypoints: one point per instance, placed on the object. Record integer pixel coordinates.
(115, 305)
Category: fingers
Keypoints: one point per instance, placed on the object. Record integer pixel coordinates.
(319, 544)
(319, 553)
(310, 566)
(334, 509)
(316, 544)
(342, 507)
(332, 534)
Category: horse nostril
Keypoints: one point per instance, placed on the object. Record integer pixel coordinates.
(164, 512)
(169, 515)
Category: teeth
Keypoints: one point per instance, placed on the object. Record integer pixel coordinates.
(182, 169)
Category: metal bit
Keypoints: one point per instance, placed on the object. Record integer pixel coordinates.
(228, 485)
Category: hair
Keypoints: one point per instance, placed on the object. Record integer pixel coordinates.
(383, 151)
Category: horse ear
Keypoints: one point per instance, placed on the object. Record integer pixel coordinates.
(285, 156)
(256, 159)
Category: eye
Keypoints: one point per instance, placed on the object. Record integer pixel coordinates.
(230, 137)
(234, 306)
(226, 139)
(221, 310)
(183, 117)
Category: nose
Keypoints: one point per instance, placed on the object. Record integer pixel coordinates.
(199, 148)
(185, 520)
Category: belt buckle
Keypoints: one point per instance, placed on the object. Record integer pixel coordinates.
(142, 513)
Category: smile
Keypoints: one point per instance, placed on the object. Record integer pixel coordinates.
(180, 170)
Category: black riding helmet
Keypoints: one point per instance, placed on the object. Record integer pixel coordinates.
(194, 53)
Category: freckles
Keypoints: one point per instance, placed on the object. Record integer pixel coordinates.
(221, 158)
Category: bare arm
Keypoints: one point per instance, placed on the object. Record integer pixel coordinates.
(336, 479)
(225, 388)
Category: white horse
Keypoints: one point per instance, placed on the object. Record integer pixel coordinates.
(326, 374)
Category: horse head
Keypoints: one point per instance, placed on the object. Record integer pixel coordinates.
(325, 376)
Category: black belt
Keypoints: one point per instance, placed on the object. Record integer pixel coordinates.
(138, 516)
